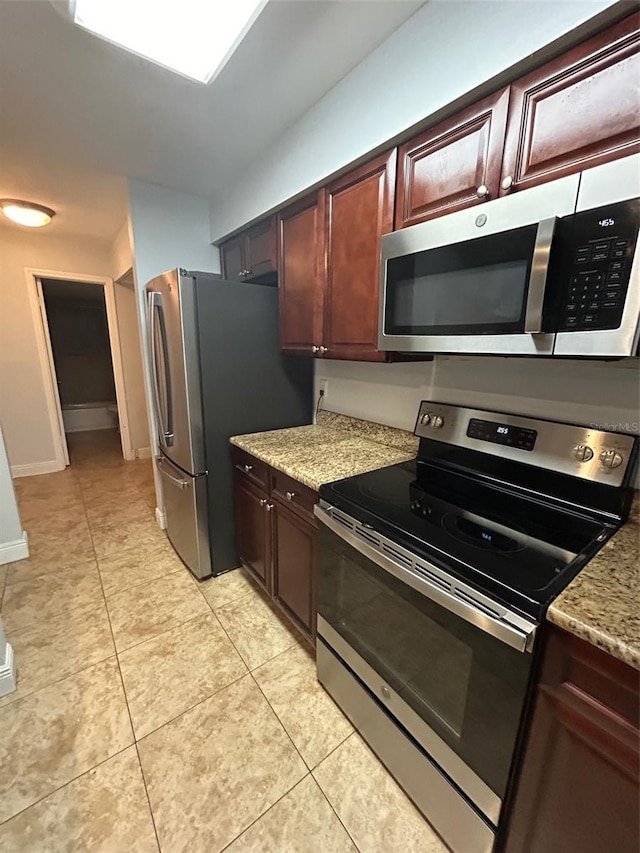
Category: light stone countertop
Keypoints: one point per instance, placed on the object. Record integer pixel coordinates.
(319, 454)
(602, 604)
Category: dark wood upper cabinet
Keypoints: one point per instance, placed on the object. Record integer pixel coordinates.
(359, 210)
(232, 258)
(302, 274)
(252, 254)
(261, 249)
(453, 165)
(578, 785)
(577, 111)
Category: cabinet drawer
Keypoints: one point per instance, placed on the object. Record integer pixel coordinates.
(293, 494)
(254, 469)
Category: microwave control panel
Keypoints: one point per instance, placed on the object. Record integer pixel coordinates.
(598, 248)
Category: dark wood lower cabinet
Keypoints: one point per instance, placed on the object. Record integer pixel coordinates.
(275, 527)
(578, 787)
(293, 565)
(253, 529)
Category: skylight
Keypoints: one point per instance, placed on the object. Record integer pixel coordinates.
(192, 37)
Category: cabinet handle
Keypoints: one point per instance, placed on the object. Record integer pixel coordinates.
(290, 496)
(507, 183)
(314, 348)
(482, 191)
(263, 501)
(322, 350)
(269, 507)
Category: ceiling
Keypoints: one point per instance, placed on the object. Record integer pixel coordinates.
(78, 114)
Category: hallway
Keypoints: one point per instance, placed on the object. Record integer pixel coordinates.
(155, 709)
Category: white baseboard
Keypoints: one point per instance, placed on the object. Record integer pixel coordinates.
(36, 468)
(161, 519)
(7, 671)
(143, 453)
(16, 550)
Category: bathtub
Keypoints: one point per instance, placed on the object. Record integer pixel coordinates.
(79, 417)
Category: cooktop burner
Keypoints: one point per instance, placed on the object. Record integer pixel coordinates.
(516, 533)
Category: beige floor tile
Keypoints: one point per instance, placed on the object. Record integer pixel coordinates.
(257, 629)
(104, 811)
(370, 803)
(133, 534)
(60, 732)
(217, 768)
(47, 595)
(301, 822)
(130, 511)
(133, 566)
(52, 649)
(314, 722)
(44, 565)
(142, 612)
(173, 672)
(62, 547)
(227, 588)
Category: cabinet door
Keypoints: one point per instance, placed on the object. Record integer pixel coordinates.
(293, 566)
(232, 258)
(578, 788)
(253, 529)
(261, 251)
(302, 274)
(359, 210)
(577, 111)
(453, 165)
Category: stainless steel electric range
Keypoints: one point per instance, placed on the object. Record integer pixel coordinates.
(433, 579)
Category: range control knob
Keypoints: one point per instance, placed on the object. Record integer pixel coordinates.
(425, 418)
(610, 458)
(582, 452)
(437, 422)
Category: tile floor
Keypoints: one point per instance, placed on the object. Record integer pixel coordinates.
(156, 712)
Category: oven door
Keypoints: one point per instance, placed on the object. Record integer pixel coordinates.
(474, 281)
(453, 675)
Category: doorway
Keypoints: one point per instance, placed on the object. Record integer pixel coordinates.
(81, 361)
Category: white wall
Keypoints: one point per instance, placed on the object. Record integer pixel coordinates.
(168, 229)
(584, 392)
(131, 348)
(22, 396)
(121, 254)
(441, 53)
(13, 545)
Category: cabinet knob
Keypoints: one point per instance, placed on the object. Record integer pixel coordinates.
(248, 468)
(290, 496)
(241, 273)
(247, 272)
(482, 191)
(269, 507)
(322, 350)
(314, 348)
(263, 501)
(507, 183)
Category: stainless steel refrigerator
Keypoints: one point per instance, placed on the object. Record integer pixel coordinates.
(216, 371)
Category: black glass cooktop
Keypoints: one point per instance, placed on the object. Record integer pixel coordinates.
(517, 549)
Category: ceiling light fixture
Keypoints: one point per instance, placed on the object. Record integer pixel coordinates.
(26, 212)
(195, 38)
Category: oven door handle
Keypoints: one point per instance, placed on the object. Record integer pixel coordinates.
(519, 636)
(538, 276)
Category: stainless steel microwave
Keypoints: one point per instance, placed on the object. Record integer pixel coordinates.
(552, 270)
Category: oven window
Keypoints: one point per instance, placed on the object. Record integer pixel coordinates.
(476, 287)
(468, 687)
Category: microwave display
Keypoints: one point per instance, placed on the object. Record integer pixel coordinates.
(511, 436)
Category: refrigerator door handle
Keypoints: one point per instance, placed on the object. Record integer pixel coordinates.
(165, 427)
